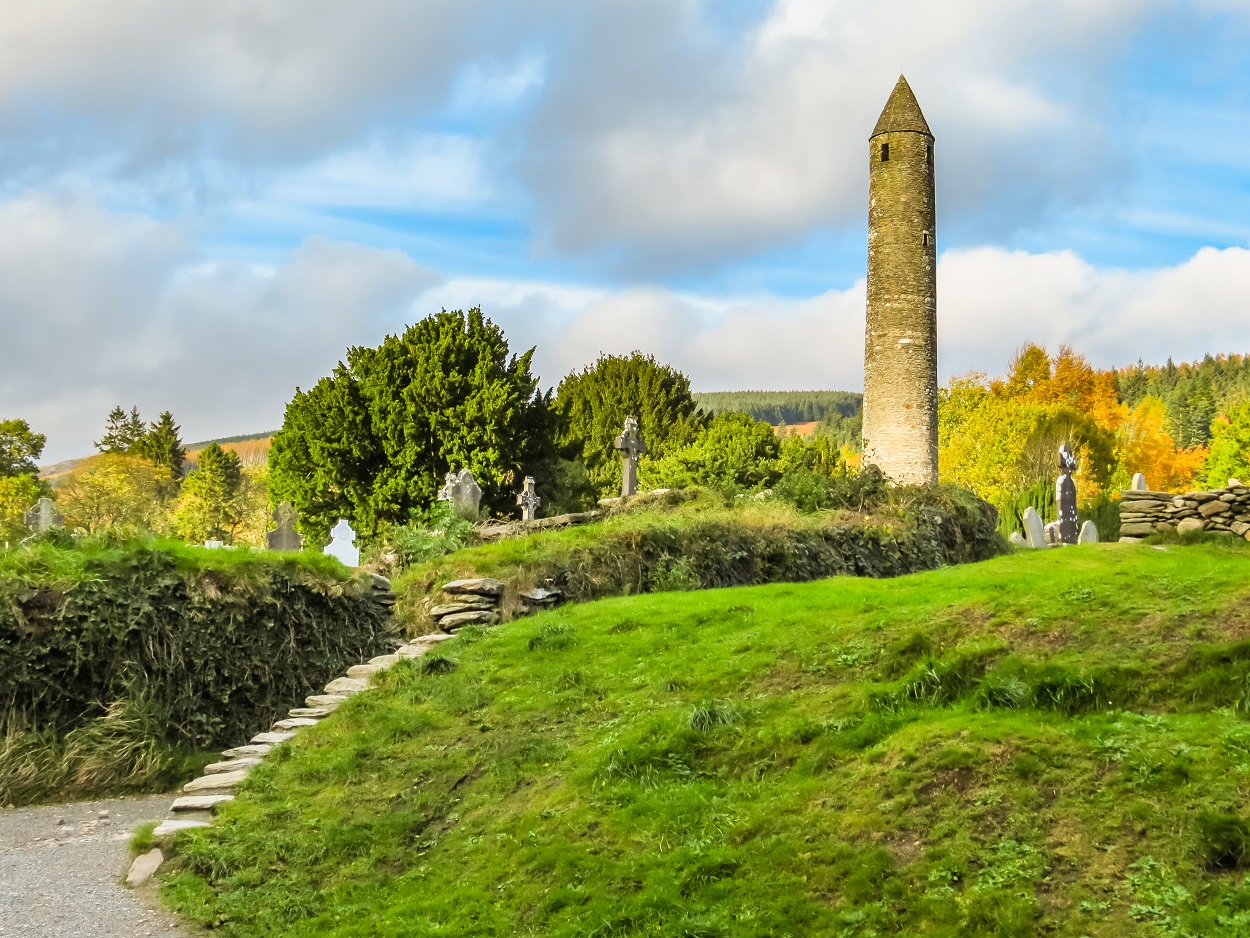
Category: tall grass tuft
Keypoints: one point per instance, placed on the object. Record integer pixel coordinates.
(122, 750)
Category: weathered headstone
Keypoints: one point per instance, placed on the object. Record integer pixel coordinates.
(528, 500)
(463, 492)
(284, 536)
(1139, 483)
(1065, 496)
(1016, 539)
(1089, 533)
(342, 544)
(214, 545)
(43, 516)
(631, 445)
(1034, 532)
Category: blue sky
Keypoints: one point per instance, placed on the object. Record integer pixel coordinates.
(202, 206)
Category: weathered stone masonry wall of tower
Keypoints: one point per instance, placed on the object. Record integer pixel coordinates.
(900, 354)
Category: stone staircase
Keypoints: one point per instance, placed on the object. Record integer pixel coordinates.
(200, 798)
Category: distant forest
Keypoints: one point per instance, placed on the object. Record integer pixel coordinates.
(1193, 392)
(777, 407)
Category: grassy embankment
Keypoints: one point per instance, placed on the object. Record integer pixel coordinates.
(1045, 743)
(694, 541)
(125, 665)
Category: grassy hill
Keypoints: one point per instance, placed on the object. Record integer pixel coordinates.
(1045, 743)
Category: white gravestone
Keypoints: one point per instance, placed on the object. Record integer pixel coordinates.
(1139, 483)
(1034, 531)
(1016, 539)
(342, 544)
(1089, 533)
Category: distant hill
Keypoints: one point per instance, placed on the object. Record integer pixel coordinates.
(253, 449)
(777, 407)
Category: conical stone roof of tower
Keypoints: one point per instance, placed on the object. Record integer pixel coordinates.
(902, 112)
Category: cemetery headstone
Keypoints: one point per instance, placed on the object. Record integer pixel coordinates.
(284, 536)
(1034, 532)
(1065, 496)
(631, 445)
(1089, 533)
(43, 516)
(1016, 539)
(342, 544)
(1139, 483)
(528, 500)
(463, 493)
(214, 545)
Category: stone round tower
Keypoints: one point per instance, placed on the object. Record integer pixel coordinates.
(900, 345)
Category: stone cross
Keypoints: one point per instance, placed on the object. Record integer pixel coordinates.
(284, 536)
(342, 545)
(43, 515)
(528, 500)
(463, 492)
(631, 445)
(1065, 496)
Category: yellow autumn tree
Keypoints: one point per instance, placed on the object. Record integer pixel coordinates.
(1144, 445)
(114, 490)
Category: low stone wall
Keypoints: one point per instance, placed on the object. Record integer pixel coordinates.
(1224, 511)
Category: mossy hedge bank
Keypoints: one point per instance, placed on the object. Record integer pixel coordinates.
(216, 642)
(707, 544)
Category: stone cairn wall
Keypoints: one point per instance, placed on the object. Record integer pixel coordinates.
(1225, 511)
(480, 601)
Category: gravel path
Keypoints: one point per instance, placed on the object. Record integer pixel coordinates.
(60, 872)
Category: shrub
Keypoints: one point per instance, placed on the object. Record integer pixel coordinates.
(219, 642)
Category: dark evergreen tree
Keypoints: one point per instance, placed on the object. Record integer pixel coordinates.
(373, 441)
(594, 403)
(19, 448)
(163, 446)
(122, 432)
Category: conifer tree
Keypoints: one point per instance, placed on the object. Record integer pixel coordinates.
(162, 446)
(122, 432)
(209, 507)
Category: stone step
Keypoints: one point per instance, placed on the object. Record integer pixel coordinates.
(272, 739)
(295, 723)
(231, 765)
(309, 713)
(199, 802)
(346, 686)
(362, 672)
(172, 826)
(325, 701)
(247, 752)
(383, 661)
(220, 780)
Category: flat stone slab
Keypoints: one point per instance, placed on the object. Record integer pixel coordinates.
(231, 765)
(383, 661)
(309, 713)
(199, 802)
(216, 781)
(346, 686)
(478, 586)
(144, 866)
(172, 826)
(326, 701)
(451, 609)
(295, 723)
(468, 618)
(272, 738)
(362, 672)
(248, 751)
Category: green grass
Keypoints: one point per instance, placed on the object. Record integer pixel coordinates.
(1046, 743)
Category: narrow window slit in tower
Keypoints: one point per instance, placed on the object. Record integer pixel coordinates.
(928, 155)
(885, 153)
(926, 239)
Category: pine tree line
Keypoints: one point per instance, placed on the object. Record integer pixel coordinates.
(778, 407)
(1195, 392)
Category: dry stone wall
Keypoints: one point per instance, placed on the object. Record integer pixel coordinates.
(1224, 511)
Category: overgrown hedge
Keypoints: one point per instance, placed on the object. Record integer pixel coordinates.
(219, 643)
(697, 547)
